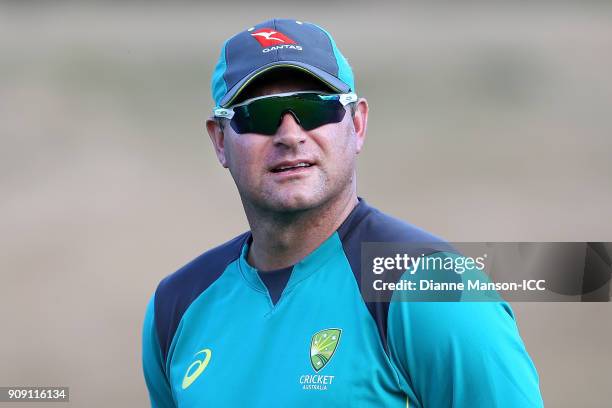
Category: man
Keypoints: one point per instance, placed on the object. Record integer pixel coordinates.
(275, 317)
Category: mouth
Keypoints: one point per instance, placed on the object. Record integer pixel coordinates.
(295, 166)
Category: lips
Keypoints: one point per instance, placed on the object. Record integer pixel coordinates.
(291, 165)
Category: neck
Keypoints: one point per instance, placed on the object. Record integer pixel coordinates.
(283, 239)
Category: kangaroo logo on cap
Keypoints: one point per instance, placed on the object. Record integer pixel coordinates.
(268, 37)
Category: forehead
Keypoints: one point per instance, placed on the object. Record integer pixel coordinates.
(282, 80)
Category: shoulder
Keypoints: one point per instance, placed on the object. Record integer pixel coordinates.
(177, 291)
(367, 223)
(203, 270)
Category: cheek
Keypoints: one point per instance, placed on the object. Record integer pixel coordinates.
(340, 146)
(344, 156)
(245, 158)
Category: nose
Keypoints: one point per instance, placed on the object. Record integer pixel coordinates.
(289, 132)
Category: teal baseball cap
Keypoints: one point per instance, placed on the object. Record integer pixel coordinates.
(279, 43)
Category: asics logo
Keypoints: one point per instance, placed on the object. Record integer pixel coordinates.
(196, 368)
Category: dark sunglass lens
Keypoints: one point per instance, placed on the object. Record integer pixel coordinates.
(316, 113)
(263, 116)
(256, 117)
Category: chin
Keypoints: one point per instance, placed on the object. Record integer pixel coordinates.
(294, 201)
(298, 202)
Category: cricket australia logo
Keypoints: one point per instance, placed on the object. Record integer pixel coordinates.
(323, 345)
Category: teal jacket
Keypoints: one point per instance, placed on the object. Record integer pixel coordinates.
(218, 333)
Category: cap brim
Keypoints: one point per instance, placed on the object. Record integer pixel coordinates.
(323, 76)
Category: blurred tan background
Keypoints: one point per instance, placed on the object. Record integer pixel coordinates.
(488, 123)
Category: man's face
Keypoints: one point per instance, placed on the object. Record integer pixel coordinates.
(264, 167)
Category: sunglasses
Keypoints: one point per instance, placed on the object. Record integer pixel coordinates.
(264, 114)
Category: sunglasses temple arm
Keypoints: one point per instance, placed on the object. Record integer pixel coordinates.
(223, 113)
(345, 99)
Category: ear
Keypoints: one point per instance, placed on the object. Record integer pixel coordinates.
(360, 122)
(217, 137)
